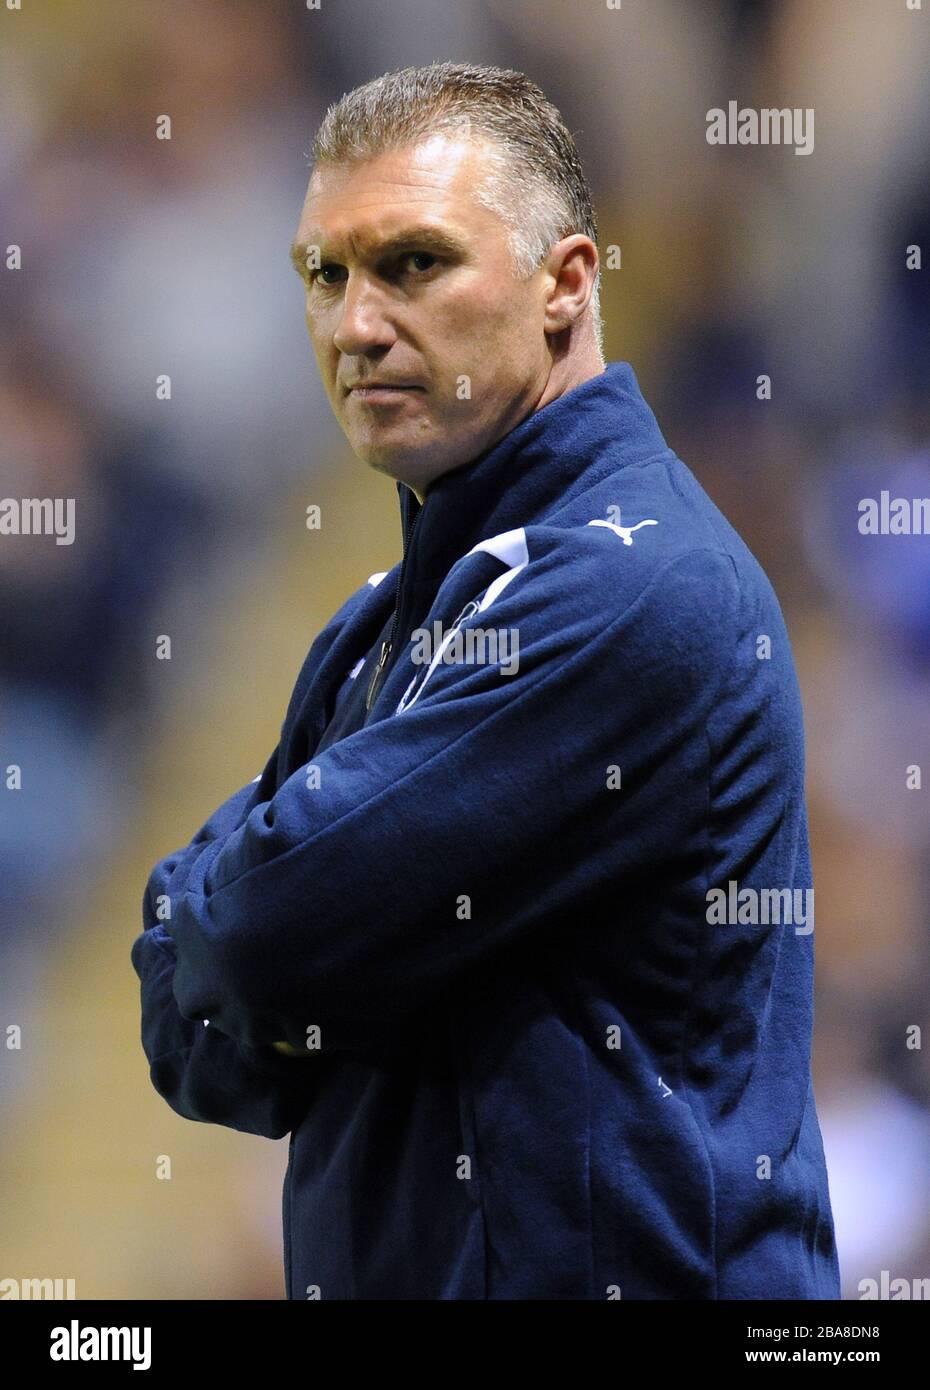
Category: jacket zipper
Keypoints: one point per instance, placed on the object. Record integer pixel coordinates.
(378, 673)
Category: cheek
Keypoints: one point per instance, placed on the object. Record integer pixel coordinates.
(477, 331)
(326, 356)
(479, 305)
(497, 331)
(502, 313)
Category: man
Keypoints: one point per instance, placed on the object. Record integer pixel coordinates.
(463, 938)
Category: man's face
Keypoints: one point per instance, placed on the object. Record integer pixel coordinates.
(415, 288)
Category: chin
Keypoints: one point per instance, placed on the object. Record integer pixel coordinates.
(417, 467)
(391, 464)
(388, 460)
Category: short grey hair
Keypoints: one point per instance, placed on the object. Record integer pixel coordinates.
(536, 183)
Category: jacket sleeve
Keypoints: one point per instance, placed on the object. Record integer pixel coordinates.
(201, 1073)
(437, 836)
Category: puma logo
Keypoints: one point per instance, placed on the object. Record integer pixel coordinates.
(624, 532)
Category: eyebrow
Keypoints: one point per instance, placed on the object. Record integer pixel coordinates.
(432, 238)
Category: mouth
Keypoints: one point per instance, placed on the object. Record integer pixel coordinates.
(382, 395)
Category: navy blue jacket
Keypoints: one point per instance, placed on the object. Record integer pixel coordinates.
(479, 892)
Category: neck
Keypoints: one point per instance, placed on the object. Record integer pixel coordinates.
(571, 370)
(552, 456)
(565, 374)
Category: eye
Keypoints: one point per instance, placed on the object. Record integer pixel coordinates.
(323, 271)
(420, 256)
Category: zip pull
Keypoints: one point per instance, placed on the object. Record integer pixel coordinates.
(469, 611)
(415, 687)
(376, 673)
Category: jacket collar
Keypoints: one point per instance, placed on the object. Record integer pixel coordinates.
(552, 455)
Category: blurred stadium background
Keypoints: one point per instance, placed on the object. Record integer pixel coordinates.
(143, 256)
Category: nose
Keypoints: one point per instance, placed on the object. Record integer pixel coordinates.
(363, 325)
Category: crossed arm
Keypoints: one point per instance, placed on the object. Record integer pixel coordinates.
(202, 1073)
(354, 901)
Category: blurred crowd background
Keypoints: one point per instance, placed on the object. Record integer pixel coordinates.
(142, 256)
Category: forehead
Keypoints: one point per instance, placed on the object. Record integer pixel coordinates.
(433, 180)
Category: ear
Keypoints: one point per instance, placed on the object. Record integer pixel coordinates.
(572, 269)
